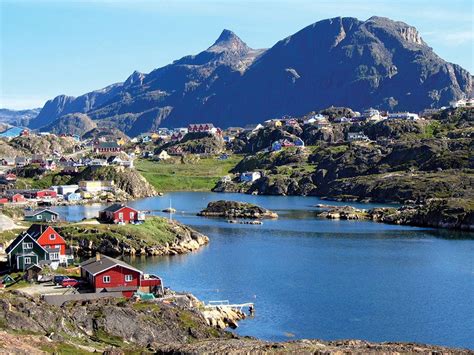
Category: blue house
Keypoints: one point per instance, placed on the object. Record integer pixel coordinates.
(276, 146)
(73, 196)
(12, 132)
(299, 142)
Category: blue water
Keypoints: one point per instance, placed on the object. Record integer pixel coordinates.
(317, 278)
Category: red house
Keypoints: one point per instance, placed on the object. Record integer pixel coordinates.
(17, 198)
(106, 274)
(46, 194)
(51, 241)
(118, 213)
(10, 177)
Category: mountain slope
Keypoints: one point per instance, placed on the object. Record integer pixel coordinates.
(18, 117)
(341, 61)
(344, 62)
(71, 123)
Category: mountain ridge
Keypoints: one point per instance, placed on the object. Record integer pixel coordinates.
(341, 61)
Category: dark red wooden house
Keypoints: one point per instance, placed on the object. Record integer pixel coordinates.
(106, 274)
(118, 213)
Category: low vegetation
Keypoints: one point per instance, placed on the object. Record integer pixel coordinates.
(155, 231)
(186, 175)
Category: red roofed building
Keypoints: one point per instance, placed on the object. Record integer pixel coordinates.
(118, 213)
(16, 198)
(106, 274)
(51, 241)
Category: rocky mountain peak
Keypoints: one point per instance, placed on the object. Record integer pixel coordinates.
(406, 32)
(136, 78)
(229, 40)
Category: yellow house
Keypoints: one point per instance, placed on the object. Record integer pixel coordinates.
(90, 186)
(155, 135)
(86, 195)
(121, 141)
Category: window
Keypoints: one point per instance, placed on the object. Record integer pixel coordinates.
(53, 256)
(27, 260)
(128, 278)
(27, 245)
(106, 279)
(132, 215)
(52, 237)
(39, 217)
(121, 216)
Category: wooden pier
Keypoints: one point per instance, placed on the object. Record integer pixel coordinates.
(226, 304)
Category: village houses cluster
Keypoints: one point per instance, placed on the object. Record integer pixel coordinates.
(42, 247)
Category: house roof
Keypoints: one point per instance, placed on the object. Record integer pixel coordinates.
(19, 239)
(116, 207)
(37, 230)
(108, 145)
(35, 212)
(94, 266)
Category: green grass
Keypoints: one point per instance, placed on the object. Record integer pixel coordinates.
(146, 306)
(202, 175)
(62, 348)
(154, 231)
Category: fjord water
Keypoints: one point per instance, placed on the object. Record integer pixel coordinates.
(317, 278)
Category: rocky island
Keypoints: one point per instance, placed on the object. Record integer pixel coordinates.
(235, 209)
(438, 213)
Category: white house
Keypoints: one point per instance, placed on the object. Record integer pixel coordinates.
(66, 189)
(357, 136)
(409, 116)
(250, 176)
(462, 103)
(163, 155)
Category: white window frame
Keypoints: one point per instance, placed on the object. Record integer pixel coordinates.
(52, 237)
(27, 245)
(26, 260)
(128, 278)
(121, 216)
(39, 217)
(53, 256)
(106, 279)
(132, 215)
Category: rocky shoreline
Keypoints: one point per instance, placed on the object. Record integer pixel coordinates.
(236, 209)
(118, 326)
(436, 213)
(114, 240)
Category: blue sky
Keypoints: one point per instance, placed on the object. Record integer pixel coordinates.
(70, 47)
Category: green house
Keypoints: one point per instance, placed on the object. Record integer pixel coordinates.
(25, 251)
(43, 215)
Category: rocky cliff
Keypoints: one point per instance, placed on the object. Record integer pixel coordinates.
(127, 180)
(116, 326)
(341, 61)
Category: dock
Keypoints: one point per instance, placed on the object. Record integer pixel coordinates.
(226, 304)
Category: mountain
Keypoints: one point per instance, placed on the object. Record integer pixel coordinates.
(71, 123)
(18, 117)
(341, 61)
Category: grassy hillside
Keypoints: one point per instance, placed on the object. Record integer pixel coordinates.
(199, 175)
(155, 231)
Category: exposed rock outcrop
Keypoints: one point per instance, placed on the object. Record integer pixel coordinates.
(128, 180)
(117, 326)
(158, 237)
(235, 209)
